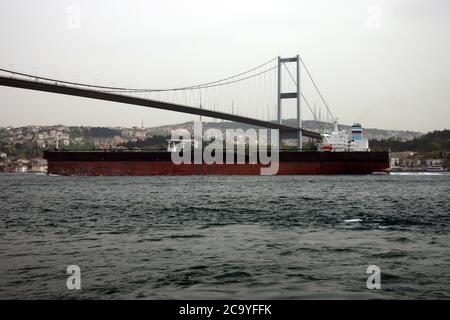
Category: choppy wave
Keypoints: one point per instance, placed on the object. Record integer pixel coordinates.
(289, 237)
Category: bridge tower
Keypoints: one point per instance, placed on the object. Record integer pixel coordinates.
(290, 95)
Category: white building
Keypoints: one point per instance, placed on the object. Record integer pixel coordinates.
(395, 162)
(21, 169)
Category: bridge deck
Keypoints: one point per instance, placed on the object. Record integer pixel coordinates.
(114, 97)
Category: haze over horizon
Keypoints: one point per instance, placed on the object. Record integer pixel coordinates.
(382, 63)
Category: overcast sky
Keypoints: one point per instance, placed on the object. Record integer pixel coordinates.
(383, 63)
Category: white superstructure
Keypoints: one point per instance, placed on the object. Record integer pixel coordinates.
(341, 141)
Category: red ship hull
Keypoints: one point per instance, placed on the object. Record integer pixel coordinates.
(119, 163)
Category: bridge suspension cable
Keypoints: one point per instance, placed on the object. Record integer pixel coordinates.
(304, 98)
(318, 91)
(198, 86)
(252, 93)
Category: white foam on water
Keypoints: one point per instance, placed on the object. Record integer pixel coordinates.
(417, 173)
(352, 220)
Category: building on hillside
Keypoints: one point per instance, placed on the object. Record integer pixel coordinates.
(21, 169)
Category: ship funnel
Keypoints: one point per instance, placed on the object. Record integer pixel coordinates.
(357, 132)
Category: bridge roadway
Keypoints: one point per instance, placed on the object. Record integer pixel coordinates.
(285, 131)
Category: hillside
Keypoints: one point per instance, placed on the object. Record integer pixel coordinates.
(436, 141)
(369, 133)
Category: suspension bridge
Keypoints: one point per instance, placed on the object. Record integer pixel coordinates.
(255, 97)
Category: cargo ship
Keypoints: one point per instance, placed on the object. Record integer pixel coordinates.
(336, 154)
